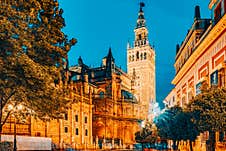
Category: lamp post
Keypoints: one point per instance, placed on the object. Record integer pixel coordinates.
(14, 142)
(14, 111)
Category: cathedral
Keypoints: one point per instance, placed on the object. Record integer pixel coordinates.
(116, 111)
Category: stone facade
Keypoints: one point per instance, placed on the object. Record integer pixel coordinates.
(116, 112)
(74, 131)
(141, 64)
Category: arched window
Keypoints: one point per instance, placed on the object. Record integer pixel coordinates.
(137, 55)
(132, 57)
(145, 55)
(74, 78)
(141, 56)
(139, 36)
(101, 94)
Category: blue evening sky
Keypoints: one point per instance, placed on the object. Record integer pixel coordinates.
(100, 24)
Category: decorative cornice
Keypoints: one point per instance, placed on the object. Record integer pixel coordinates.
(212, 2)
(203, 46)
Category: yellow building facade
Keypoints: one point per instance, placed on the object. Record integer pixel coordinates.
(73, 131)
(201, 57)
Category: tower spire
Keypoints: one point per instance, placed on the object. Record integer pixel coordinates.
(141, 19)
(141, 32)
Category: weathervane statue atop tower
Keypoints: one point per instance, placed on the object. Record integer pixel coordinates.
(141, 6)
(141, 19)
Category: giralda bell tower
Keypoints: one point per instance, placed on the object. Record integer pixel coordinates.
(141, 64)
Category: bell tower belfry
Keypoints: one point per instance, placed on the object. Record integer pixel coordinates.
(141, 64)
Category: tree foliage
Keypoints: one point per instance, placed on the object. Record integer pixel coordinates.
(166, 123)
(33, 55)
(209, 111)
(176, 124)
(148, 134)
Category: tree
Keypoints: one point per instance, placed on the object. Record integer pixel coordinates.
(148, 134)
(166, 125)
(187, 129)
(175, 124)
(33, 58)
(209, 111)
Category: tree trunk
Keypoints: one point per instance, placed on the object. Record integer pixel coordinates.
(0, 132)
(177, 144)
(0, 136)
(174, 145)
(1, 120)
(190, 144)
(212, 141)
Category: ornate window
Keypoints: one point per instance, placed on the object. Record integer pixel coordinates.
(183, 101)
(86, 132)
(132, 57)
(65, 129)
(101, 94)
(76, 131)
(86, 119)
(141, 56)
(65, 116)
(137, 55)
(139, 36)
(145, 56)
(76, 118)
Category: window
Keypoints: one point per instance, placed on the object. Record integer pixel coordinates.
(214, 78)
(132, 57)
(190, 95)
(38, 134)
(76, 118)
(65, 129)
(101, 94)
(145, 55)
(86, 132)
(222, 78)
(86, 119)
(141, 56)
(198, 88)
(76, 131)
(217, 13)
(139, 36)
(137, 55)
(74, 78)
(65, 116)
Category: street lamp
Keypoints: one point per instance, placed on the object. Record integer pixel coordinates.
(14, 110)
